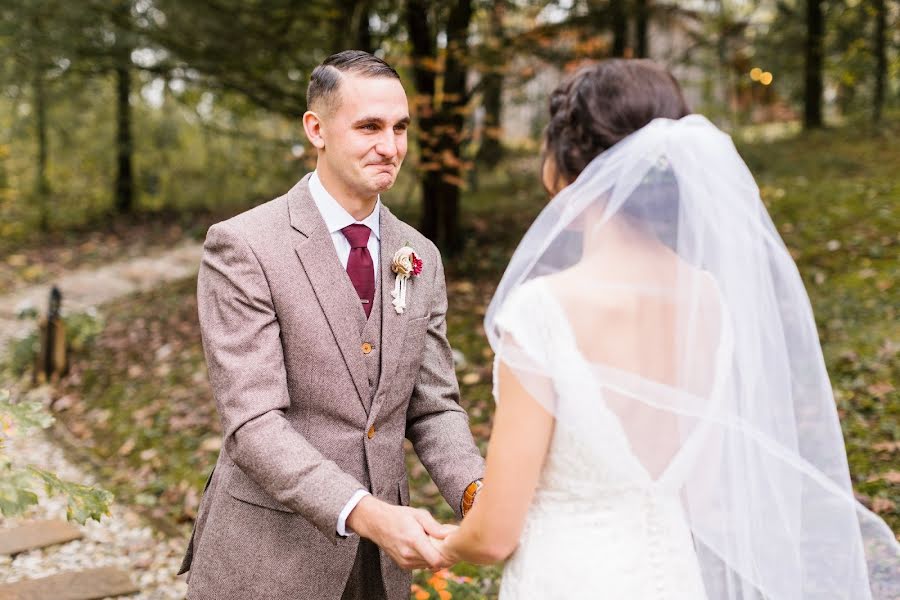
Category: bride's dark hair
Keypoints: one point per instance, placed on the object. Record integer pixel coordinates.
(601, 104)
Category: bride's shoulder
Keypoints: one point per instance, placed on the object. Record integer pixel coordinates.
(529, 312)
(577, 289)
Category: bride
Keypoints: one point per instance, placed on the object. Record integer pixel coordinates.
(665, 427)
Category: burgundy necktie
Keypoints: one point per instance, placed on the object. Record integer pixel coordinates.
(359, 265)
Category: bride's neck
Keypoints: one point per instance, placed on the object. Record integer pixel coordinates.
(619, 240)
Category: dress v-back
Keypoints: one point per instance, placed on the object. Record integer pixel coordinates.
(599, 525)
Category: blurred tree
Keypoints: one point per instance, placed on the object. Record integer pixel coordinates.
(50, 38)
(492, 64)
(641, 22)
(32, 55)
(119, 56)
(351, 28)
(264, 50)
(881, 63)
(814, 65)
(619, 23)
(440, 107)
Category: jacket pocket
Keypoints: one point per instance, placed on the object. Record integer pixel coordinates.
(240, 487)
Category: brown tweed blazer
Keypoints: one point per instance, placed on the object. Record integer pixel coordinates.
(281, 341)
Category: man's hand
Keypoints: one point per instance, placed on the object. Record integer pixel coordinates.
(445, 546)
(400, 531)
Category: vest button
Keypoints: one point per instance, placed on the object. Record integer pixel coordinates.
(366, 347)
(371, 433)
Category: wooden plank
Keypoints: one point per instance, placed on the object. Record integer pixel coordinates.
(74, 585)
(37, 534)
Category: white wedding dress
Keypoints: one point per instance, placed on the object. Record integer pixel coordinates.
(599, 526)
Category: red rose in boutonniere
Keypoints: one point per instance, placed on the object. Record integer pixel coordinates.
(406, 265)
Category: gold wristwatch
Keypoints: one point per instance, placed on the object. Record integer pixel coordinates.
(468, 498)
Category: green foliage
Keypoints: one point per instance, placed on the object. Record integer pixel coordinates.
(81, 330)
(185, 163)
(15, 489)
(83, 502)
(17, 485)
(24, 416)
(22, 353)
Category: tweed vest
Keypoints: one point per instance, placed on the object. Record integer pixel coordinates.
(370, 342)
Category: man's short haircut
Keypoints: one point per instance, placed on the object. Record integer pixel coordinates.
(324, 83)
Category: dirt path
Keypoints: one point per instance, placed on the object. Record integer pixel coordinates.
(89, 288)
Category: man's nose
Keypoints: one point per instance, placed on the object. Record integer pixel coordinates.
(387, 145)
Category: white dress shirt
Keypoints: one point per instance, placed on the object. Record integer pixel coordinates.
(336, 218)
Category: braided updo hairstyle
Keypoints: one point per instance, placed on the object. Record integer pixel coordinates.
(601, 104)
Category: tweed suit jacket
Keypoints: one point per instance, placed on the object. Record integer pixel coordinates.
(285, 362)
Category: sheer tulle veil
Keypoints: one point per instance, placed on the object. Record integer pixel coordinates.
(712, 369)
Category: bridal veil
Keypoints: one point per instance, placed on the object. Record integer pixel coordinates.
(696, 338)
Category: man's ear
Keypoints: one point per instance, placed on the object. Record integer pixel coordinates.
(312, 125)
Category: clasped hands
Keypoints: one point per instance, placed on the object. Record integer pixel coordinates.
(410, 536)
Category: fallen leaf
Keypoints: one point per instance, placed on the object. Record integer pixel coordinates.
(886, 446)
(211, 444)
(890, 477)
(880, 389)
(471, 378)
(127, 447)
(882, 505)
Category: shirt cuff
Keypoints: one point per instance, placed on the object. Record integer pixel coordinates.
(348, 508)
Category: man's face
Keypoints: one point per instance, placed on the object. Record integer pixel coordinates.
(365, 134)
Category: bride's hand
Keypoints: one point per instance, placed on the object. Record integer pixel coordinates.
(445, 547)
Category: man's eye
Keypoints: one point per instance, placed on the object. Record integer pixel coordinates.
(370, 127)
(400, 128)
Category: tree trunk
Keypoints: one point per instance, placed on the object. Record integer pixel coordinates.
(42, 182)
(490, 152)
(619, 27)
(642, 18)
(440, 124)
(124, 146)
(453, 120)
(815, 29)
(360, 27)
(350, 26)
(880, 59)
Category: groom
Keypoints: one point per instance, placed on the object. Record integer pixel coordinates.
(319, 372)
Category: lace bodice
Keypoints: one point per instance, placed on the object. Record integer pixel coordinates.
(599, 526)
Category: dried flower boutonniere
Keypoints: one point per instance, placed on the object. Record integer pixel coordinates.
(406, 265)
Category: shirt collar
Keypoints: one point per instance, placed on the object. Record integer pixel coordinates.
(336, 217)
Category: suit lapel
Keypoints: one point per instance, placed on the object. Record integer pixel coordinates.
(393, 325)
(335, 294)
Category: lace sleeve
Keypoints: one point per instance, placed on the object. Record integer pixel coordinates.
(526, 336)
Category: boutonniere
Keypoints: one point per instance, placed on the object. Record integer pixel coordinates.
(405, 264)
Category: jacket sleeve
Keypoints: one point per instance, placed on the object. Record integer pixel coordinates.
(241, 340)
(436, 424)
